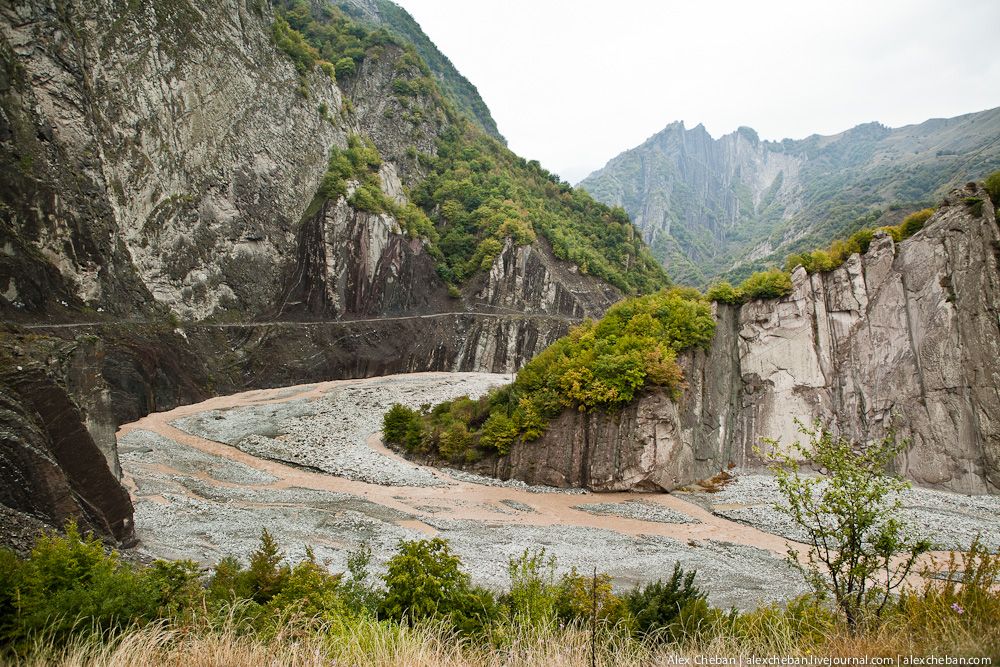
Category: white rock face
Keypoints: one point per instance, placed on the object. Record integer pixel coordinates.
(908, 334)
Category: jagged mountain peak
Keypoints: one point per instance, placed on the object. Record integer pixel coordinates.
(725, 207)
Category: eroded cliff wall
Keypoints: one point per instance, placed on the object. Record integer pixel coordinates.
(906, 334)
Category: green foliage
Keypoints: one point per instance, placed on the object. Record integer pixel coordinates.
(575, 599)
(992, 185)
(768, 284)
(403, 426)
(658, 606)
(724, 292)
(850, 516)
(598, 366)
(817, 261)
(424, 580)
(368, 198)
(70, 584)
(479, 194)
(533, 595)
(345, 68)
(311, 33)
(294, 45)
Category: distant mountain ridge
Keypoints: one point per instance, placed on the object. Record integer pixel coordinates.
(729, 206)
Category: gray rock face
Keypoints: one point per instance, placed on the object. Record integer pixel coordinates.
(906, 334)
(728, 206)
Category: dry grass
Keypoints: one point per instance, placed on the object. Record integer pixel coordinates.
(372, 644)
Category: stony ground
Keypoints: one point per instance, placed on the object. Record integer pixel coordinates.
(949, 520)
(305, 463)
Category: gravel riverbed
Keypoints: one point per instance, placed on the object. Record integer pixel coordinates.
(301, 462)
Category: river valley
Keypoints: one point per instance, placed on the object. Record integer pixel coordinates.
(306, 462)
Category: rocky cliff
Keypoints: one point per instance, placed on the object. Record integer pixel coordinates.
(58, 459)
(728, 206)
(161, 203)
(906, 334)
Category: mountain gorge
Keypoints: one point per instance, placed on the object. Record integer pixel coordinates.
(201, 198)
(725, 207)
(204, 199)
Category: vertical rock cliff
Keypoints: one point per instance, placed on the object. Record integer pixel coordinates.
(907, 334)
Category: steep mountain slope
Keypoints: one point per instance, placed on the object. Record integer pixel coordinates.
(729, 206)
(217, 196)
(398, 21)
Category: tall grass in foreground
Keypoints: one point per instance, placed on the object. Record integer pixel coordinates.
(367, 642)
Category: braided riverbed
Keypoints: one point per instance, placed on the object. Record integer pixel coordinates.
(306, 462)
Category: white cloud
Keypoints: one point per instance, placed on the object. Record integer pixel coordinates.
(573, 83)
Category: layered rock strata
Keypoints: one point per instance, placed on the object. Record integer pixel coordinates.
(906, 335)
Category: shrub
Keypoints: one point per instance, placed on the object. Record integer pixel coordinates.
(532, 596)
(70, 584)
(850, 517)
(402, 426)
(659, 605)
(577, 594)
(992, 185)
(424, 580)
(914, 222)
(368, 198)
(724, 293)
(769, 284)
(345, 68)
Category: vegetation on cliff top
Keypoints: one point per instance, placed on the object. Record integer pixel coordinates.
(776, 282)
(600, 365)
(477, 193)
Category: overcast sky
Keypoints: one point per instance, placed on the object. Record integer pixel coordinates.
(572, 83)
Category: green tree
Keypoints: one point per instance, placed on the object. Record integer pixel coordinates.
(267, 575)
(660, 604)
(859, 551)
(425, 580)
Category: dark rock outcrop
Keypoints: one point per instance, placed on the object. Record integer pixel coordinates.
(50, 467)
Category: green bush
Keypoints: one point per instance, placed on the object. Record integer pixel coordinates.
(992, 185)
(914, 222)
(576, 595)
(70, 584)
(403, 426)
(532, 596)
(345, 68)
(724, 293)
(368, 198)
(424, 580)
(769, 284)
(658, 606)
